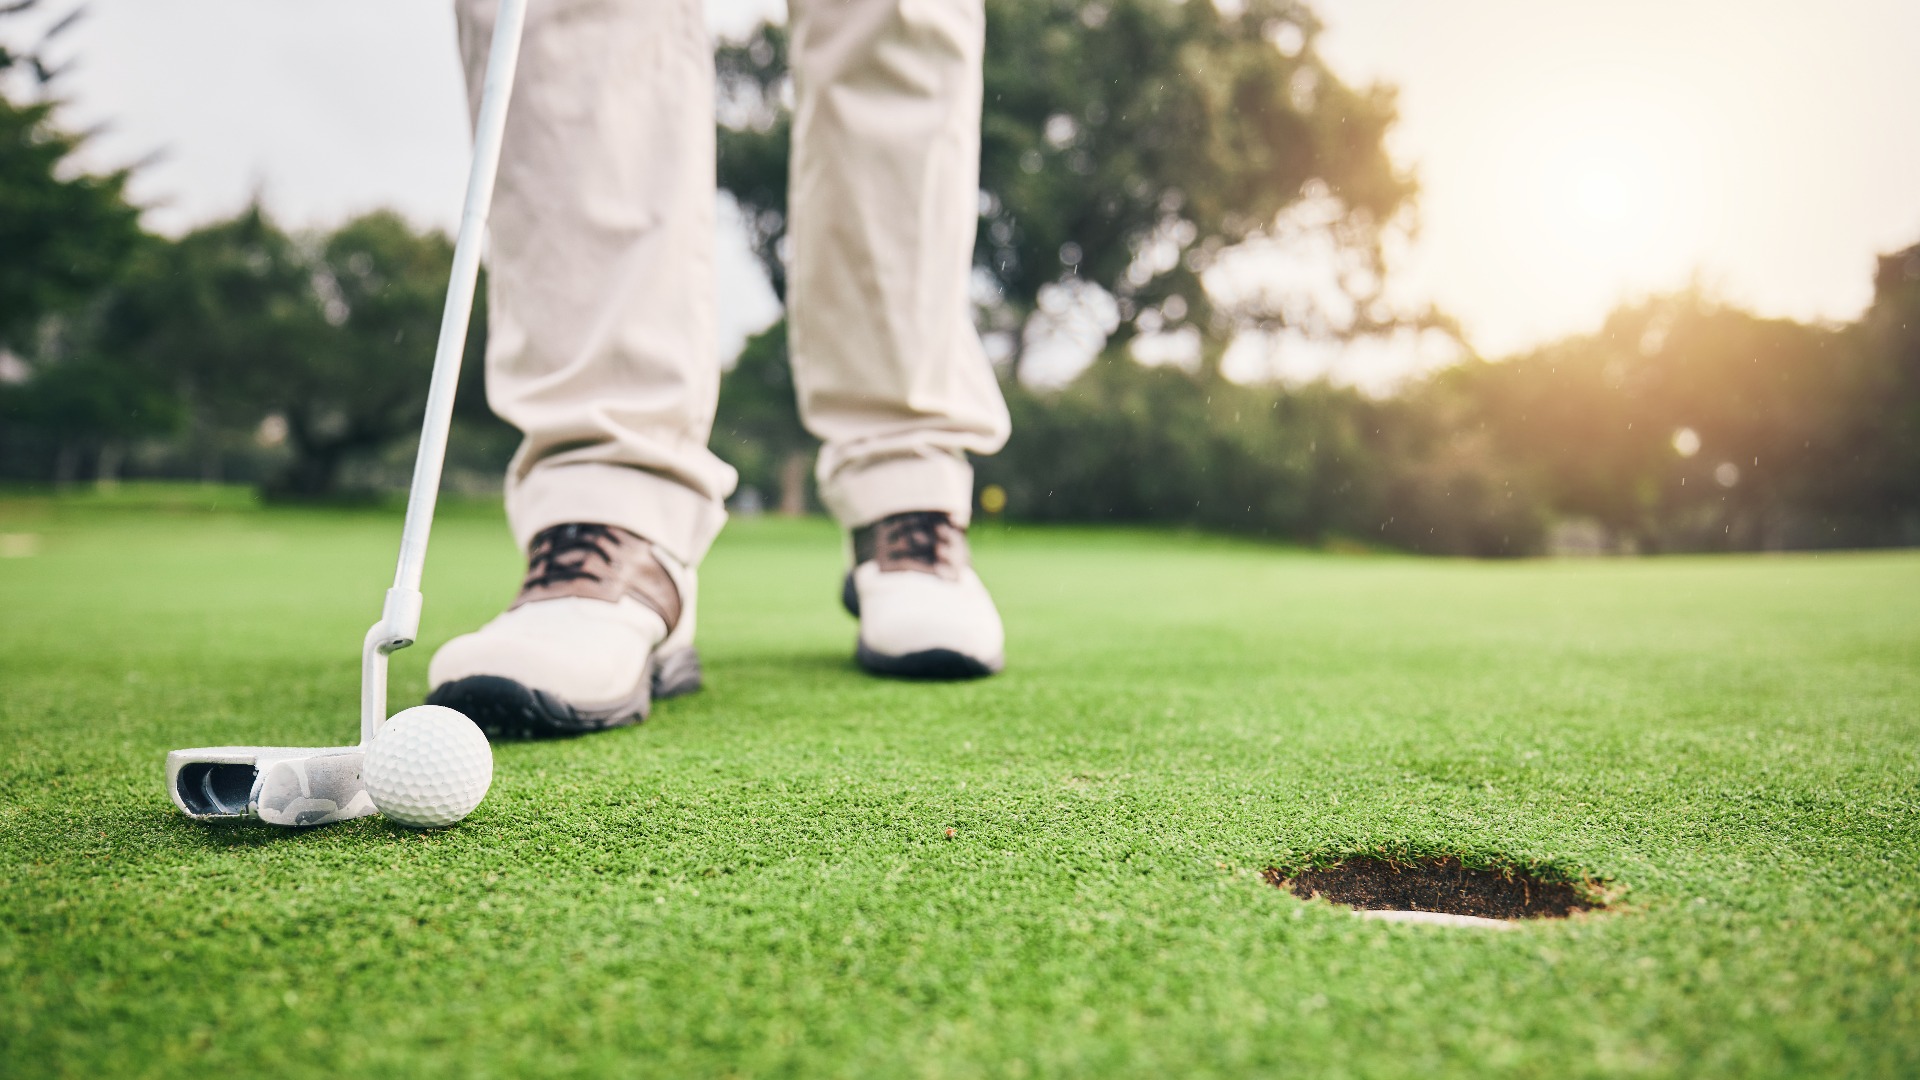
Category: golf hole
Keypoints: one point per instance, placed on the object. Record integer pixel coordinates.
(1438, 890)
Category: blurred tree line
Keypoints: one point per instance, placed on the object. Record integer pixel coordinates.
(1681, 425)
(1132, 151)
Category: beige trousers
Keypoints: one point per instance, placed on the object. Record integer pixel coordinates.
(601, 270)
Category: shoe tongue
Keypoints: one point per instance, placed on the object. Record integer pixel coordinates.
(926, 542)
(606, 564)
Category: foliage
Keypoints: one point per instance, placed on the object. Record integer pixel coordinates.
(1681, 425)
(1127, 443)
(64, 231)
(753, 139)
(328, 340)
(1872, 467)
(382, 286)
(1686, 425)
(1806, 437)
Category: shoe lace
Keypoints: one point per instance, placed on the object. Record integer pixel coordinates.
(561, 554)
(913, 536)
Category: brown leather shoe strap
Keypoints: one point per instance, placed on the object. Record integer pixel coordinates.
(602, 562)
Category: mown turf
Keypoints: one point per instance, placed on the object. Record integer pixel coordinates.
(761, 880)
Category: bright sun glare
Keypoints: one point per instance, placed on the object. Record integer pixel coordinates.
(1596, 192)
(1605, 194)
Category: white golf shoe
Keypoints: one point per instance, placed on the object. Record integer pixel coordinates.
(603, 625)
(923, 612)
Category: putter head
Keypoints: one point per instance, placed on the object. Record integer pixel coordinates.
(280, 785)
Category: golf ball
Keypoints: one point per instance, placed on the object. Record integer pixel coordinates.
(428, 767)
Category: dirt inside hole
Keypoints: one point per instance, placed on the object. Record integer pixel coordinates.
(1443, 885)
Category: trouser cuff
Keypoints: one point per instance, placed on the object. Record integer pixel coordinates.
(863, 494)
(668, 513)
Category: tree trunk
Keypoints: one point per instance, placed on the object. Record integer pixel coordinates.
(210, 464)
(312, 474)
(66, 465)
(106, 467)
(793, 484)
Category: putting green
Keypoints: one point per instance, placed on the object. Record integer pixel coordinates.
(1057, 872)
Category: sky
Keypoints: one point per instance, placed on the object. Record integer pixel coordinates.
(1570, 153)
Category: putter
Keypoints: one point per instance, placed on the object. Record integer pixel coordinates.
(283, 785)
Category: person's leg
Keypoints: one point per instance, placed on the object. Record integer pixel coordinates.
(887, 364)
(601, 351)
(885, 200)
(600, 270)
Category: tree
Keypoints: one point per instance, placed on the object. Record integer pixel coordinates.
(65, 232)
(80, 398)
(332, 336)
(381, 287)
(1127, 443)
(1873, 462)
(1683, 424)
(1131, 145)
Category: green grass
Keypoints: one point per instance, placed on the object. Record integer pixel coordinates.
(760, 880)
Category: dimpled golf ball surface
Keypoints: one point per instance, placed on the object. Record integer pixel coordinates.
(427, 767)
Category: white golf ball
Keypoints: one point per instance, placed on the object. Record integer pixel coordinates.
(428, 767)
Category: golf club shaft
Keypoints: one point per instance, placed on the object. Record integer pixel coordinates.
(400, 615)
(488, 131)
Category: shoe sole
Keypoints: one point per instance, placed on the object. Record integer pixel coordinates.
(927, 664)
(505, 709)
